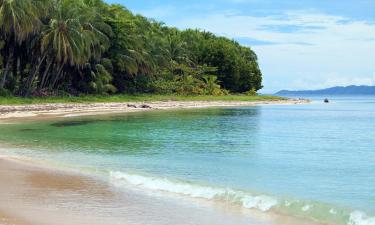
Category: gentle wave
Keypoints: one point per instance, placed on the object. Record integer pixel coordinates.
(261, 202)
(360, 218)
(308, 209)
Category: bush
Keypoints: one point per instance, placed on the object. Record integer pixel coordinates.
(251, 92)
(187, 85)
(4, 92)
(220, 92)
(163, 87)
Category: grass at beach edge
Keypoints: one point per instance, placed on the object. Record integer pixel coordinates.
(12, 100)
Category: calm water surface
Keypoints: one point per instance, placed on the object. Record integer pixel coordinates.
(315, 160)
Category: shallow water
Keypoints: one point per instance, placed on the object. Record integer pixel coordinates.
(315, 160)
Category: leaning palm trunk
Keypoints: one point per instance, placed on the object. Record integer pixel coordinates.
(6, 71)
(44, 77)
(5, 74)
(32, 76)
(57, 77)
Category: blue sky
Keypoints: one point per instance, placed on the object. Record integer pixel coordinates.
(301, 44)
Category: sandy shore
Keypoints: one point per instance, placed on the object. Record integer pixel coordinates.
(64, 109)
(33, 194)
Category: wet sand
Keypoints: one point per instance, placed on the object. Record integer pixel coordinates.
(31, 194)
(36, 195)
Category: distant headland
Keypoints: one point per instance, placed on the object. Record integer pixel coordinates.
(348, 90)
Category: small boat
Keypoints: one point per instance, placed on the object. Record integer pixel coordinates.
(326, 100)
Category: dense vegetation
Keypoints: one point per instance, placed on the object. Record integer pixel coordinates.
(79, 47)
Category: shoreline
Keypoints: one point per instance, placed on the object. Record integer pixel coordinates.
(65, 196)
(55, 110)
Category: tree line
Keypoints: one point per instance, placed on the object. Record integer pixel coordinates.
(78, 47)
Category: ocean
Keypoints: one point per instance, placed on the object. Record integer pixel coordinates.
(315, 161)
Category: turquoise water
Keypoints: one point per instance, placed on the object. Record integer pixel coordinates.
(315, 160)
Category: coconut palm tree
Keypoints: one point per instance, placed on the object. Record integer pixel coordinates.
(176, 48)
(71, 38)
(211, 83)
(18, 20)
(63, 36)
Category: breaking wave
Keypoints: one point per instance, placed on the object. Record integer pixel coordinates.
(309, 209)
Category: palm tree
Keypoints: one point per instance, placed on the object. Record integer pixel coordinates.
(18, 20)
(211, 83)
(130, 50)
(63, 35)
(176, 48)
(71, 38)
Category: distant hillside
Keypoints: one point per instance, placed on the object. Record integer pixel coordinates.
(349, 90)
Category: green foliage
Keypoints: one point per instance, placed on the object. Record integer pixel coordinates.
(164, 87)
(211, 85)
(90, 47)
(4, 92)
(251, 92)
(63, 98)
(101, 81)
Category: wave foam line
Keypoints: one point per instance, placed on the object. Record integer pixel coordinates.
(360, 218)
(261, 202)
(308, 209)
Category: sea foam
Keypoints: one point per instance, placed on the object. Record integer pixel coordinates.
(260, 202)
(360, 218)
(246, 199)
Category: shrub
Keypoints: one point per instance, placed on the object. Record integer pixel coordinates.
(251, 92)
(162, 86)
(4, 92)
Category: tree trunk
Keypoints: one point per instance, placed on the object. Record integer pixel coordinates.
(22, 68)
(5, 74)
(15, 65)
(57, 77)
(31, 77)
(41, 85)
(6, 70)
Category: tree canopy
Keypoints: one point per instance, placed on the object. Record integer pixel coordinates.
(91, 47)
